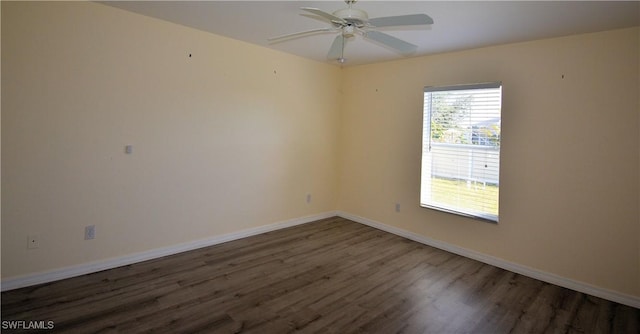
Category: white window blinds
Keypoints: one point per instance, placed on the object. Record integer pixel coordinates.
(461, 149)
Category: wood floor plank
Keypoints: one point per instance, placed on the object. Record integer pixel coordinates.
(329, 276)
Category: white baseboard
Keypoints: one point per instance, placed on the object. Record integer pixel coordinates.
(501, 263)
(87, 268)
(82, 269)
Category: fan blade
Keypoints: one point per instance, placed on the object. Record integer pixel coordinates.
(337, 48)
(402, 20)
(299, 34)
(399, 45)
(324, 14)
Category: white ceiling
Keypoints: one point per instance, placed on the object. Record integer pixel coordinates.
(457, 25)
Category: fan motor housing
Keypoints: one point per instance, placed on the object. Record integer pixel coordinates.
(355, 17)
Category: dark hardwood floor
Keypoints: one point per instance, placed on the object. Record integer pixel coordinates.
(330, 276)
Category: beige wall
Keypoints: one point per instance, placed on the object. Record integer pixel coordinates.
(569, 161)
(235, 136)
(230, 138)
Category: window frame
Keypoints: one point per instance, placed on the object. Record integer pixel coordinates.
(428, 132)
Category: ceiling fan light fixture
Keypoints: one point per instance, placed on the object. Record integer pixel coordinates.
(348, 31)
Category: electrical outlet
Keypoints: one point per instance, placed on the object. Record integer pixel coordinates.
(89, 232)
(33, 242)
(308, 198)
(397, 207)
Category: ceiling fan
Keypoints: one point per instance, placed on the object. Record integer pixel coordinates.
(349, 21)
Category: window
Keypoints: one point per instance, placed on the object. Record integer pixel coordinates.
(461, 150)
